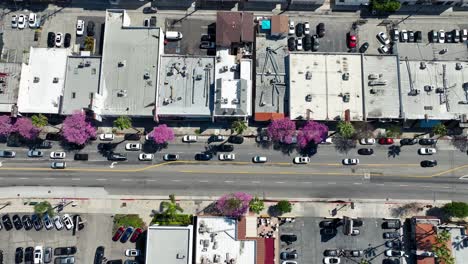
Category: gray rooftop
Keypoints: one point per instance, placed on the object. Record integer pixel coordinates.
(433, 101)
(81, 83)
(129, 66)
(270, 67)
(381, 101)
(169, 245)
(186, 85)
(10, 74)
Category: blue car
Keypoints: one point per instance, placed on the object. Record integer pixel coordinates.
(126, 235)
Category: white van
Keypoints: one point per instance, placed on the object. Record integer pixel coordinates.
(173, 35)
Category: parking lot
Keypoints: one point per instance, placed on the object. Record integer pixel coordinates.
(312, 241)
(98, 32)
(192, 31)
(97, 232)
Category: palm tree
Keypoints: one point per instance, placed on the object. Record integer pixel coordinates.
(171, 208)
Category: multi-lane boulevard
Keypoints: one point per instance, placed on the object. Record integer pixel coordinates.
(382, 175)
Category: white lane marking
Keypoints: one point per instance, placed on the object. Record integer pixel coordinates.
(151, 180)
(426, 186)
(202, 181)
(255, 182)
(49, 179)
(76, 179)
(101, 179)
(279, 182)
(358, 183)
(125, 180)
(380, 184)
(331, 182)
(176, 180)
(307, 182)
(228, 181)
(446, 187)
(403, 185)
(23, 178)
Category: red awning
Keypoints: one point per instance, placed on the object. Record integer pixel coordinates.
(269, 251)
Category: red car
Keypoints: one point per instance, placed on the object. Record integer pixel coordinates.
(135, 235)
(385, 141)
(352, 41)
(118, 233)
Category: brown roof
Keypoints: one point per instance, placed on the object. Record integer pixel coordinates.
(234, 27)
(425, 238)
(279, 24)
(264, 251)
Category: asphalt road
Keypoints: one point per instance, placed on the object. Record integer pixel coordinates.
(378, 176)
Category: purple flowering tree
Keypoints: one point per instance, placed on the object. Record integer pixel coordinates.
(234, 204)
(312, 132)
(5, 126)
(282, 130)
(162, 134)
(77, 130)
(25, 128)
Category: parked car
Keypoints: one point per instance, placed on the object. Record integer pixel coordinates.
(67, 40)
(133, 146)
(292, 28)
(207, 45)
(77, 221)
(99, 255)
(66, 260)
(37, 222)
(383, 38)
(146, 157)
(395, 35)
(408, 141)
(189, 138)
(365, 151)
(58, 165)
(90, 28)
(441, 36)
(116, 157)
(58, 39)
(50, 39)
(330, 253)
(434, 36)
(217, 138)
(331, 260)
(386, 141)
(391, 235)
(384, 49)
(428, 163)
(7, 154)
(135, 235)
(320, 29)
(262, 138)
(301, 160)
(54, 136)
(80, 156)
(410, 36)
(367, 141)
(203, 156)
(307, 42)
(171, 157)
(57, 222)
(132, 252)
(132, 136)
(427, 141)
(299, 29)
(236, 139)
(353, 253)
(7, 222)
(64, 251)
(227, 157)
(47, 222)
(259, 159)
(394, 253)
(150, 10)
(19, 255)
(57, 155)
(38, 251)
(456, 35)
(106, 137)
(288, 238)
(29, 255)
(391, 224)
(27, 223)
(306, 28)
(299, 46)
(463, 35)
(352, 41)
(47, 255)
(44, 145)
(350, 161)
(316, 43)
(14, 21)
(364, 47)
(427, 151)
(67, 221)
(79, 27)
(21, 21)
(17, 222)
(126, 234)
(225, 148)
(35, 153)
(394, 244)
(418, 36)
(448, 37)
(328, 224)
(404, 35)
(118, 233)
(288, 255)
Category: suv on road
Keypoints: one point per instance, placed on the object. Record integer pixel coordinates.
(116, 157)
(80, 156)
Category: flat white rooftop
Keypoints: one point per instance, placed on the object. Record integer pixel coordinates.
(169, 244)
(219, 240)
(42, 81)
(325, 86)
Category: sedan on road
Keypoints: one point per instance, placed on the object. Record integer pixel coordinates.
(259, 159)
(230, 156)
(57, 155)
(133, 146)
(116, 157)
(301, 160)
(35, 153)
(189, 139)
(203, 156)
(58, 165)
(365, 151)
(386, 141)
(427, 151)
(7, 154)
(171, 157)
(427, 141)
(428, 163)
(408, 141)
(331, 260)
(106, 137)
(145, 157)
(225, 148)
(236, 139)
(383, 38)
(350, 161)
(367, 141)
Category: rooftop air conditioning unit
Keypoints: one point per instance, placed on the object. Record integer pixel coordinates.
(146, 76)
(36, 79)
(346, 76)
(308, 98)
(121, 64)
(235, 101)
(428, 88)
(55, 80)
(458, 66)
(422, 65)
(308, 75)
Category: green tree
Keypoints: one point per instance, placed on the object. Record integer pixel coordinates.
(239, 126)
(123, 122)
(441, 249)
(345, 129)
(283, 207)
(39, 120)
(42, 208)
(440, 130)
(393, 131)
(89, 44)
(171, 207)
(456, 209)
(256, 205)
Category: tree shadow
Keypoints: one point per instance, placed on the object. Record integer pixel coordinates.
(211, 149)
(459, 142)
(153, 147)
(309, 150)
(211, 209)
(106, 148)
(439, 213)
(273, 211)
(393, 151)
(287, 149)
(344, 145)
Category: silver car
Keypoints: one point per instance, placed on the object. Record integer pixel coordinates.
(35, 153)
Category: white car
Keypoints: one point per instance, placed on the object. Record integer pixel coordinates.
(58, 39)
(67, 221)
(133, 146)
(384, 49)
(38, 251)
(79, 27)
(441, 36)
(327, 141)
(292, 27)
(57, 222)
(132, 252)
(106, 137)
(464, 35)
(32, 20)
(306, 28)
(404, 35)
(350, 161)
(57, 155)
(259, 159)
(395, 35)
(331, 260)
(427, 151)
(367, 141)
(230, 156)
(383, 38)
(301, 160)
(145, 157)
(189, 138)
(21, 21)
(299, 44)
(14, 21)
(394, 253)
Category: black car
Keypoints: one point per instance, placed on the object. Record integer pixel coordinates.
(27, 223)
(203, 156)
(391, 235)
(307, 42)
(448, 37)
(80, 156)
(410, 36)
(288, 239)
(288, 255)
(428, 163)
(321, 30)
(418, 36)
(62, 251)
(90, 28)
(117, 157)
(77, 221)
(427, 141)
(98, 257)
(408, 141)
(236, 139)
(54, 136)
(315, 43)
(291, 43)
(7, 222)
(44, 145)
(225, 148)
(299, 29)
(37, 222)
(393, 244)
(19, 255)
(51, 39)
(150, 10)
(330, 253)
(28, 255)
(171, 157)
(17, 222)
(357, 222)
(391, 224)
(132, 136)
(365, 151)
(364, 47)
(67, 40)
(207, 37)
